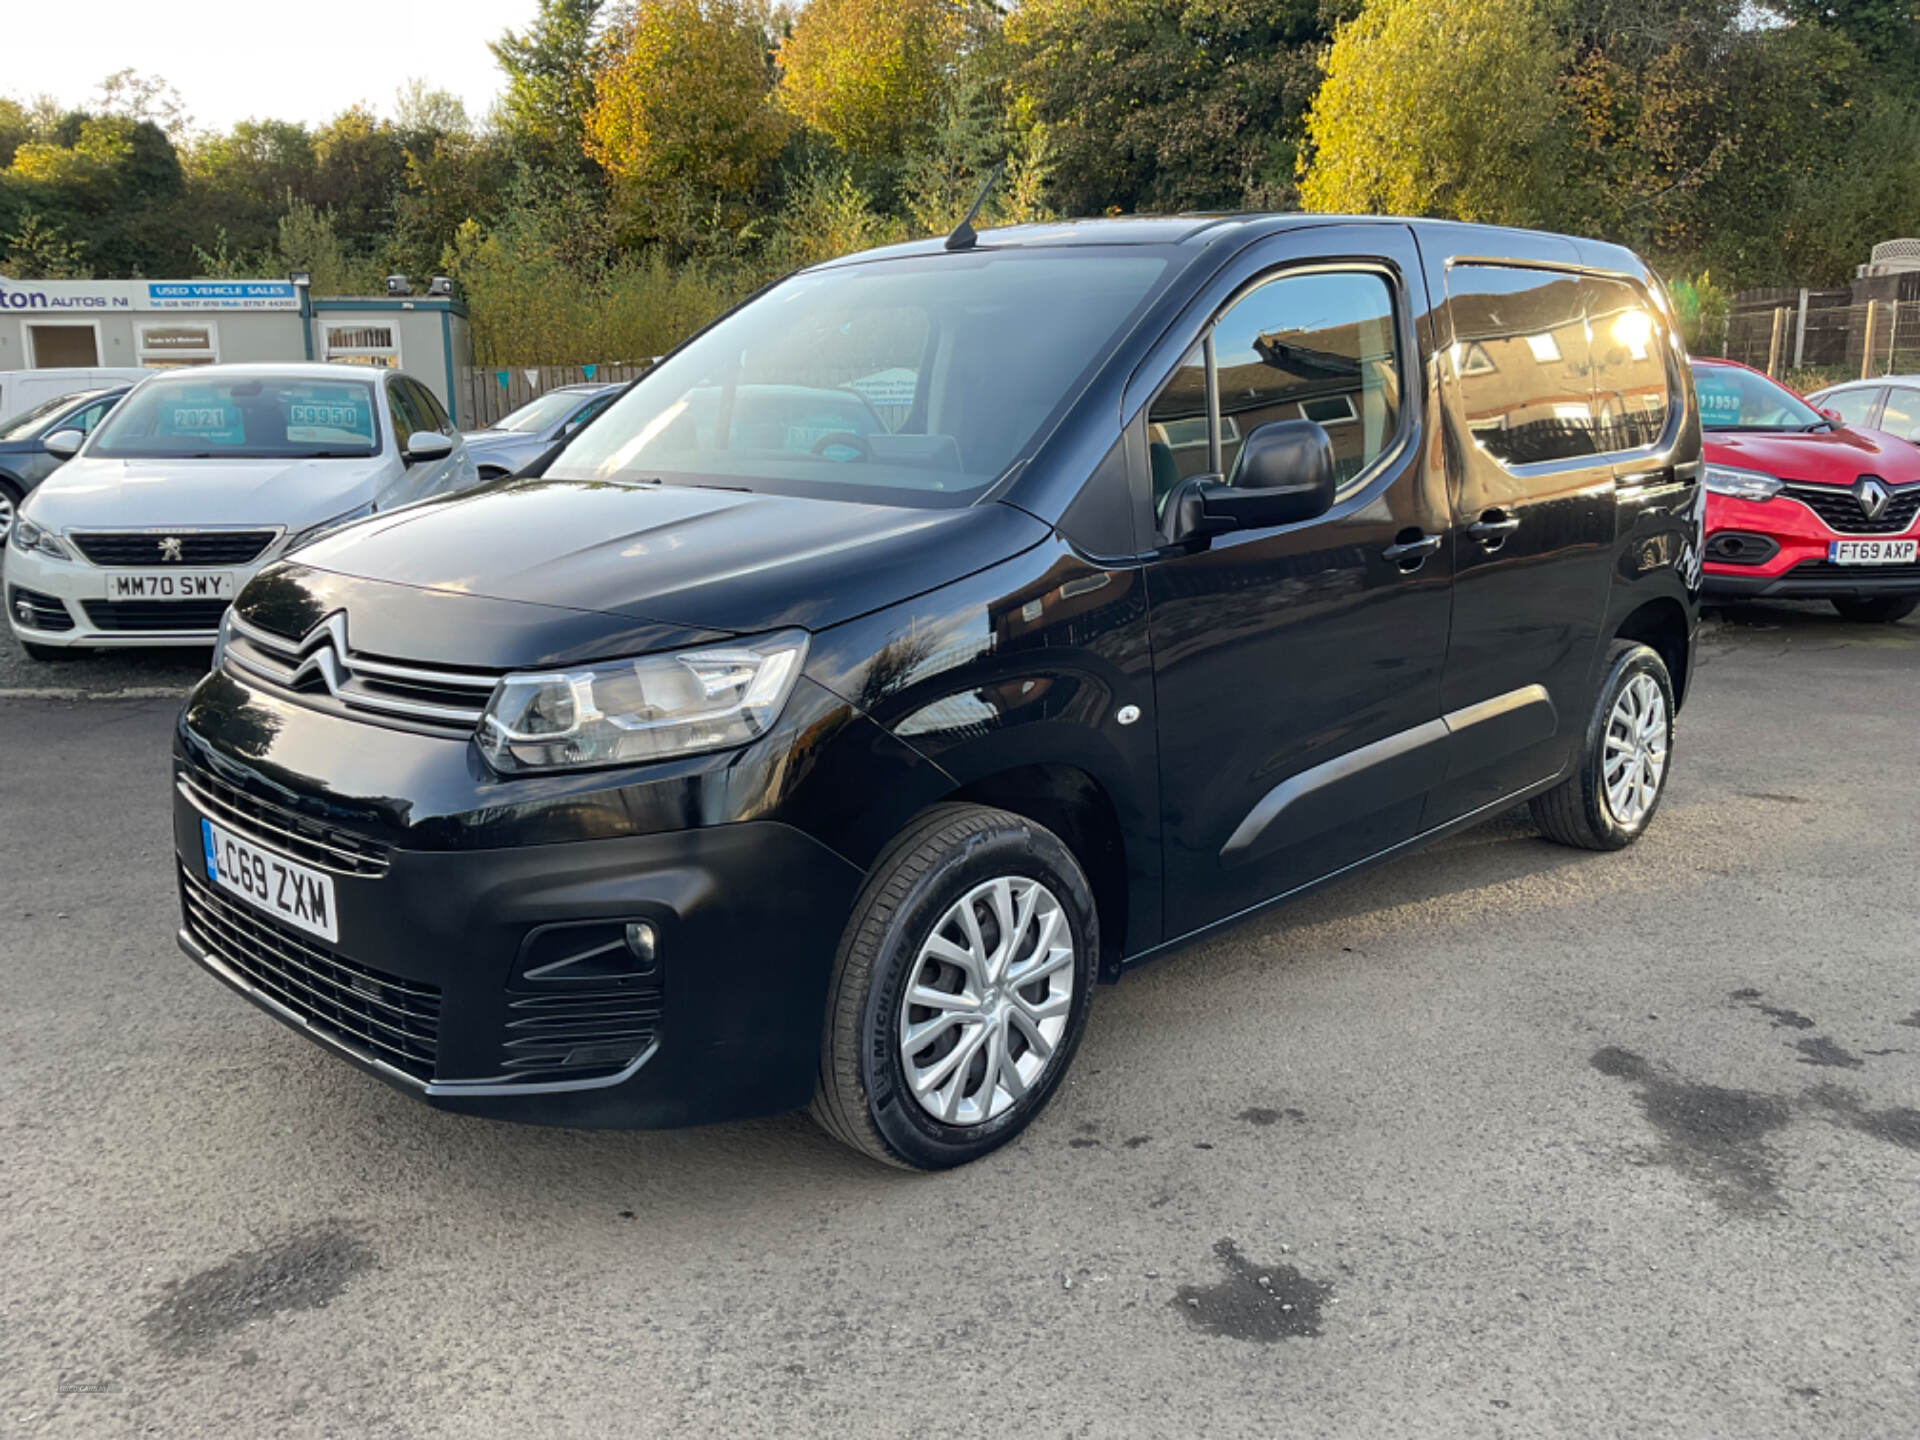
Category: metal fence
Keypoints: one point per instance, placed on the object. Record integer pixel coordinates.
(486, 395)
(1810, 345)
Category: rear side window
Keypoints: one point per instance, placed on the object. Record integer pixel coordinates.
(1852, 406)
(1902, 415)
(1522, 360)
(1631, 392)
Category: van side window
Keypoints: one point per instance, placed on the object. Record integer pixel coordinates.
(1179, 441)
(1314, 347)
(1319, 346)
(1632, 392)
(1521, 357)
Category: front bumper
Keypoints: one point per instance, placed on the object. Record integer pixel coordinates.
(1798, 569)
(83, 612)
(427, 985)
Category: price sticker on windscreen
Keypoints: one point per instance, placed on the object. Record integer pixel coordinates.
(1719, 402)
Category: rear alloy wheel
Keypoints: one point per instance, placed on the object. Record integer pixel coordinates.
(1609, 800)
(961, 990)
(1880, 610)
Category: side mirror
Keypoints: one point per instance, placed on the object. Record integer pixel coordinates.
(427, 445)
(1285, 475)
(63, 444)
(1833, 415)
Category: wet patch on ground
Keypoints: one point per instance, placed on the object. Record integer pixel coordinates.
(1260, 1115)
(1713, 1135)
(1897, 1124)
(1912, 1020)
(1773, 797)
(1782, 1018)
(1818, 1050)
(302, 1272)
(1264, 1304)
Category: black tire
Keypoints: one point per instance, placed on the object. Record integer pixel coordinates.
(1878, 610)
(1576, 811)
(10, 497)
(862, 1098)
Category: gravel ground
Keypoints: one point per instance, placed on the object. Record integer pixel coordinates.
(1499, 1140)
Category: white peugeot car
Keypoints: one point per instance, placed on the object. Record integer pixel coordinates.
(202, 476)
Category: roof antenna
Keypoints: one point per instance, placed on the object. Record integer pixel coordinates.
(964, 234)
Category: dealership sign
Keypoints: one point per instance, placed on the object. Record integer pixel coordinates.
(93, 296)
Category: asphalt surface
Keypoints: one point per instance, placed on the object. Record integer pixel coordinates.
(1499, 1140)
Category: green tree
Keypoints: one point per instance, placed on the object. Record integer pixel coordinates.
(871, 75)
(1165, 104)
(1440, 107)
(550, 78)
(683, 118)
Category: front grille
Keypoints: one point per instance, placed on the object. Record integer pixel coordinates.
(275, 826)
(579, 1036)
(1836, 506)
(37, 611)
(199, 616)
(381, 1016)
(321, 666)
(152, 547)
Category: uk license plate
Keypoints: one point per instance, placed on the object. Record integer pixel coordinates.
(269, 881)
(1872, 552)
(172, 585)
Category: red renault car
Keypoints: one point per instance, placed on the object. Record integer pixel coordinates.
(1801, 506)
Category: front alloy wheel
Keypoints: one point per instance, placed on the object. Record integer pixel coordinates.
(988, 1002)
(1636, 750)
(960, 991)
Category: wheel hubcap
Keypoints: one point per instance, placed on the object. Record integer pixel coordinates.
(6, 516)
(1636, 750)
(988, 1000)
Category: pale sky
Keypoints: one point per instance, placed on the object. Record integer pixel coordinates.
(238, 59)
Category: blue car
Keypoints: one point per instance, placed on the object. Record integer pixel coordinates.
(24, 458)
(517, 440)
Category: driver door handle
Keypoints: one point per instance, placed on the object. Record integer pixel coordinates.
(1411, 554)
(1493, 528)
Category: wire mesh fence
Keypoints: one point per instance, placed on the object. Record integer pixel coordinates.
(1812, 345)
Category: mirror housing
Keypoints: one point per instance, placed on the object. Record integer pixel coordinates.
(1285, 475)
(425, 445)
(1833, 415)
(63, 444)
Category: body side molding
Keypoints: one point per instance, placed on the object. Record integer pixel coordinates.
(1382, 773)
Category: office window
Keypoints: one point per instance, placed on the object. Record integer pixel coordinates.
(63, 347)
(361, 344)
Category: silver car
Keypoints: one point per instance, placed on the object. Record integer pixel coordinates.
(518, 439)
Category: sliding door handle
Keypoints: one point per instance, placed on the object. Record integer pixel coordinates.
(1493, 528)
(1411, 554)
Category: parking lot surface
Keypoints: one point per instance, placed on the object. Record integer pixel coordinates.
(1499, 1140)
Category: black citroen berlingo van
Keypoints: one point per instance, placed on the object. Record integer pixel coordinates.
(945, 630)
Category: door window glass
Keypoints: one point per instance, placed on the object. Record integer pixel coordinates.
(85, 420)
(1316, 347)
(1521, 357)
(1631, 397)
(1178, 440)
(426, 407)
(1852, 406)
(406, 419)
(1902, 415)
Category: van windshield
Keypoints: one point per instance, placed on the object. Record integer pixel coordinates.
(914, 381)
(242, 419)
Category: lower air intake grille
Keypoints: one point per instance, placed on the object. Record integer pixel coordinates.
(381, 1016)
(184, 616)
(579, 1036)
(37, 611)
